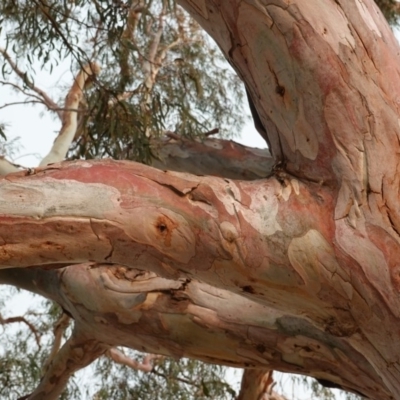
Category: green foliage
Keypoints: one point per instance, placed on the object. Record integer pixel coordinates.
(24, 351)
(390, 9)
(184, 380)
(160, 71)
(24, 348)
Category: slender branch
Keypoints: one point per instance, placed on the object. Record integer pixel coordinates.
(70, 118)
(173, 135)
(7, 167)
(128, 38)
(77, 352)
(146, 365)
(19, 88)
(152, 63)
(15, 103)
(163, 52)
(152, 53)
(122, 97)
(132, 21)
(23, 320)
(59, 328)
(46, 98)
(56, 27)
(39, 101)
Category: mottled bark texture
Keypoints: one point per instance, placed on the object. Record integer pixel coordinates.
(298, 271)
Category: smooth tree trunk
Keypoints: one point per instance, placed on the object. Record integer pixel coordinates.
(298, 271)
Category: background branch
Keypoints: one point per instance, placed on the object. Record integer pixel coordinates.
(23, 75)
(64, 139)
(145, 366)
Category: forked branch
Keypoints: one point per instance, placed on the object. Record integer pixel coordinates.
(64, 139)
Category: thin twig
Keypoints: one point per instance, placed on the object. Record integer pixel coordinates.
(47, 100)
(12, 320)
(19, 88)
(15, 103)
(39, 100)
(7, 167)
(183, 380)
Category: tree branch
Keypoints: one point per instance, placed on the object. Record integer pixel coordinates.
(150, 61)
(347, 58)
(69, 121)
(141, 310)
(5, 105)
(23, 320)
(257, 384)
(145, 366)
(7, 167)
(77, 352)
(218, 157)
(254, 239)
(59, 328)
(51, 105)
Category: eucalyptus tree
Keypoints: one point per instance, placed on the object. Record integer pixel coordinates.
(281, 259)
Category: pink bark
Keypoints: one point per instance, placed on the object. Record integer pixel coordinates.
(309, 254)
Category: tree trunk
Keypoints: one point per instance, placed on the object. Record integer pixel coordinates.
(298, 271)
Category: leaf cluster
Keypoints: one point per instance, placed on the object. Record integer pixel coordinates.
(390, 9)
(170, 379)
(160, 71)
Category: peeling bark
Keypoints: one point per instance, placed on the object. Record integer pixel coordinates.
(121, 306)
(309, 255)
(254, 239)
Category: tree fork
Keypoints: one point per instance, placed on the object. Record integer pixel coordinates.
(318, 240)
